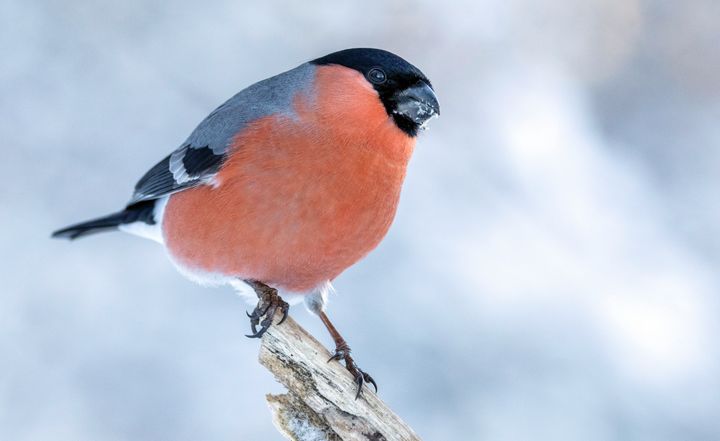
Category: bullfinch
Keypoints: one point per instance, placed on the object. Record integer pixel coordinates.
(287, 183)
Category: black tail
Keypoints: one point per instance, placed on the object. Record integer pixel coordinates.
(139, 212)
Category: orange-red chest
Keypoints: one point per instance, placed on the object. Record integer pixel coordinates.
(301, 197)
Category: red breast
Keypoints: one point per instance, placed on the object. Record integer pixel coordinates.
(300, 198)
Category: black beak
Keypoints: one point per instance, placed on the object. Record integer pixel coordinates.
(417, 103)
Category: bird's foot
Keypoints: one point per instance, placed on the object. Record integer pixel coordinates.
(269, 302)
(342, 352)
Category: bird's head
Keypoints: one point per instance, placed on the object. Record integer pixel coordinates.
(406, 92)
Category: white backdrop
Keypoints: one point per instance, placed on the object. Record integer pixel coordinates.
(552, 273)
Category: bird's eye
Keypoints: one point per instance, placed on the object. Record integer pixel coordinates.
(377, 75)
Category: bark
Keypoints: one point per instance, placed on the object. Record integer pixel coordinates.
(320, 403)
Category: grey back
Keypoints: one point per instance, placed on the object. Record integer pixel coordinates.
(200, 157)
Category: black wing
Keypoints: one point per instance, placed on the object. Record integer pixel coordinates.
(186, 167)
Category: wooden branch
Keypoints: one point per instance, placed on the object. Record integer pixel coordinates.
(320, 403)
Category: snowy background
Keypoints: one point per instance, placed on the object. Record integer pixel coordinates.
(552, 273)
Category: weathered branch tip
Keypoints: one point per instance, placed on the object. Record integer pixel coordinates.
(320, 403)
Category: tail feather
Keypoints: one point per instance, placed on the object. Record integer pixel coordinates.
(142, 211)
(107, 223)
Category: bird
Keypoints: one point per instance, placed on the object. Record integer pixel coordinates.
(286, 184)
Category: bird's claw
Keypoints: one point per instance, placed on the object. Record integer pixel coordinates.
(360, 377)
(268, 304)
(341, 352)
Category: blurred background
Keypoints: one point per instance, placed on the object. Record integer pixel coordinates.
(552, 273)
